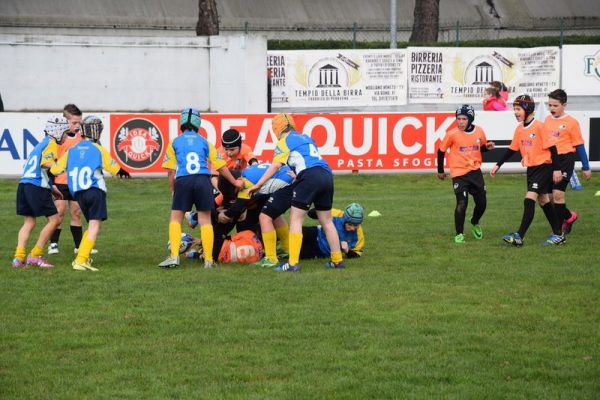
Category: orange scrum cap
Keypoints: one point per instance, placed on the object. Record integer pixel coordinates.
(281, 122)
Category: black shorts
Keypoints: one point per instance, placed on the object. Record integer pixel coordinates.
(567, 164)
(193, 190)
(34, 201)
(313, 185)
(539, 179)
(471, 183)
(66, 193)
(253, 210)
(279, 202)
(310, 245)
(92, 202)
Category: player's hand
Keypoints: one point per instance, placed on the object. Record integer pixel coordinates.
(122, 174)
(56, 194)
(587, 174)
(490, 145)
(557, 176)
(441, 175)
(494, 169)
(253, 190)
(239, 183)
(344, 246)
(224, 219)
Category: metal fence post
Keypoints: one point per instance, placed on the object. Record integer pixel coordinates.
(393, 25)
(246, 28)
(457, 34)
(354, 29)
(562, 31)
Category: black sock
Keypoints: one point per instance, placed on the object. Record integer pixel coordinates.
(77, 233)
(552, 218)
(459, 214)
(567, 213)
(55, 235)
(480, 206)
(561, 212)
(528, 214)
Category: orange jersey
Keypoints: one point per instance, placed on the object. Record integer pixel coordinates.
(239, 162)
(533, 143)
(565, 131)
(244, 247)
(465, 150)
(69, 142)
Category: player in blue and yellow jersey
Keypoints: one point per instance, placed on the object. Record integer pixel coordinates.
(34, 195)
(83, 164)
(187, 160)
(348, 223)
(313, 185)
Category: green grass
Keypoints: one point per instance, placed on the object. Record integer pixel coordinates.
(416, 317)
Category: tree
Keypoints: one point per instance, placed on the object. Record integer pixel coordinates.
(208, 18)
(427, 21)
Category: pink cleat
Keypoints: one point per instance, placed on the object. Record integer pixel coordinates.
(39, 261)
(568, 223)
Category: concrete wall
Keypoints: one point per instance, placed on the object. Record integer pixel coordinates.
(223, 74)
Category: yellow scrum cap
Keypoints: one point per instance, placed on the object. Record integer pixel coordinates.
(281, 122)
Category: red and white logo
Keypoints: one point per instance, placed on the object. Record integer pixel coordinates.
(138, 143)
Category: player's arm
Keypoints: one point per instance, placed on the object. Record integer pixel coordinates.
(108, 164)
(556, 174)
(356, 250)
(275, 165)
(59, 166)
(441, 154)
(585, 163)
(220, 165)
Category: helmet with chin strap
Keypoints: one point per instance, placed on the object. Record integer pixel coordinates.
(190, 119)
(526, 103)
(56, 127)
(354, 214)
(468, 111)
(91, 128)
(282, 123)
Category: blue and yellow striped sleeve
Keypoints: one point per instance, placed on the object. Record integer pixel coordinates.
(282, 151)
(170, 161)
(243, 194)
(50, 153)
(360, 243)
(108, 164)
(214, 157)
(337, 213)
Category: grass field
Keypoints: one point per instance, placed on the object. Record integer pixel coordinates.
(416, 317)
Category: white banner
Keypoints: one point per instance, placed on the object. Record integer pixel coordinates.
(460, 75)
(581, 70)
(337, 78)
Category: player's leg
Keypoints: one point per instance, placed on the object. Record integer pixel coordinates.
(42, 205)
(478, 191)
(207, 236)
(61, 206)
(92, 203)
(75, 224)
(203, 199)
(460, 212)
(22, 238)
(333, 239)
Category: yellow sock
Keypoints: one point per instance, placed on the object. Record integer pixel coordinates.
(174, 237)
(37, 251)
(283, 234)
(85, 247)
(295, 244)
(20, 253)
(270, 242)
(336, 256)
(207, 235)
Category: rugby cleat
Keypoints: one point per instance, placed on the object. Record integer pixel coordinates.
(286, 267)
(39, 261)
(192, 219)
(170, 262)
(53, 248)
(265, 263)
(567, 224)
(513, 238)
(16, 263)
(85, 266)
(460, 238)
(477, 231)
(554, 240)
(209, 264)
(331, 264)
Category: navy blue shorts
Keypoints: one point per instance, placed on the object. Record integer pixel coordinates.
(539, 179)
(193, 190)
(313, 185)
(92, 202)
(34, 201)
(279, 202)
(64, 190)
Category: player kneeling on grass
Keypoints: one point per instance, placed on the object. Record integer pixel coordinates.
(348, 223)
(243, 248)
(34, 195)
(187, 159)
(465, 143)
(539, 155)
(83, 164)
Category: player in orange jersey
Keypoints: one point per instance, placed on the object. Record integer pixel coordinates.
(539, 155)
(236, 154)
(465, 143)
(564, 129)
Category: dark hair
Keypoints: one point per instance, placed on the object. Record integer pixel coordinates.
(499, 85)
(188, 127)
(493, 91)
(559, 95)
(226, 188)
(71, 109)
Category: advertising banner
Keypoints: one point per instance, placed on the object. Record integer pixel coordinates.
(374, 142)
(581, 70)
(460, 75)
(337, 78)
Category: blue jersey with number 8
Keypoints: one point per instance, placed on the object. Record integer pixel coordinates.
(190, 153)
